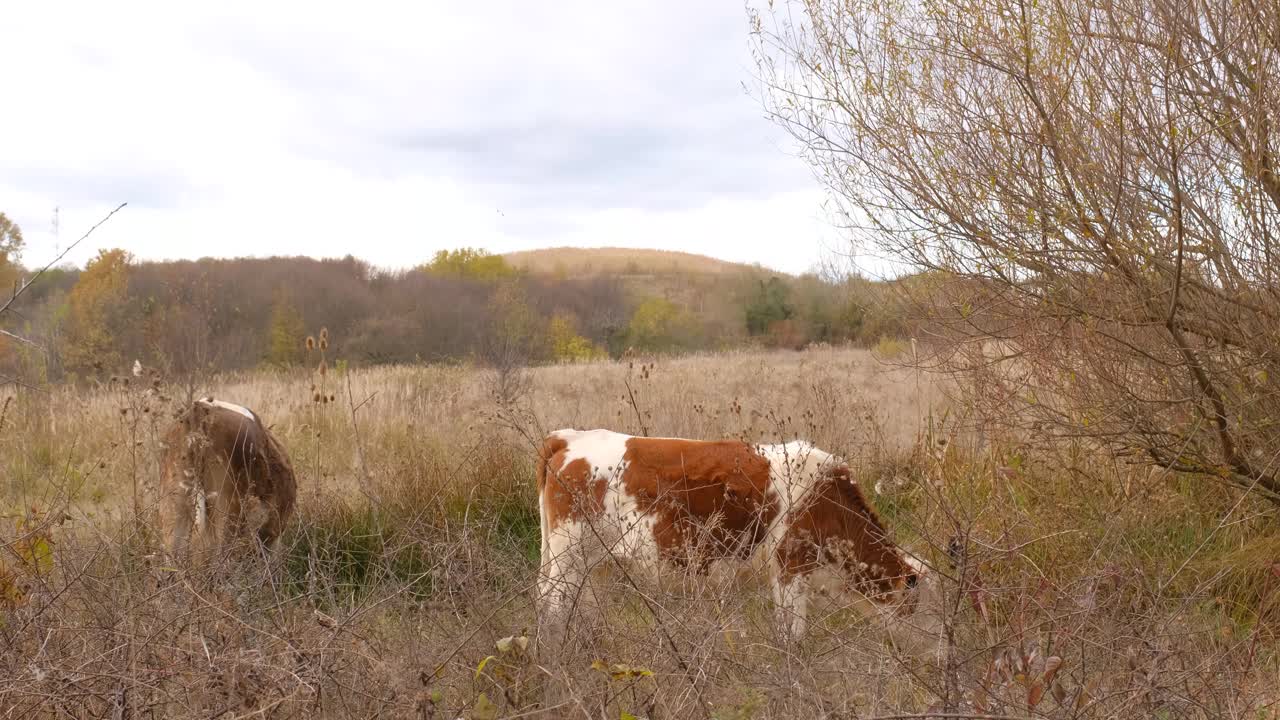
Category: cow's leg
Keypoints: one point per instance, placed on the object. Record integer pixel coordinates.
(564, 568)
(561, 586)
(791, 601)
(279, 508)
(232, 530)
(175, 522)
(545, 554)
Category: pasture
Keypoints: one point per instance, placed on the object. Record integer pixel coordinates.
(1080, 587)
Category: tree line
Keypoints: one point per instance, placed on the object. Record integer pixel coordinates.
(184, 317)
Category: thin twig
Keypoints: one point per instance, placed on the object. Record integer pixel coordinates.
(61, 255)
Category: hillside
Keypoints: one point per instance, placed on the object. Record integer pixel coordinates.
(626, 261)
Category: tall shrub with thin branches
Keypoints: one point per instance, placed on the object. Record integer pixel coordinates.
(1093, 184)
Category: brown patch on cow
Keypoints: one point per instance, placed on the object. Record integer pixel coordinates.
(568, 490)
(573, 491)
(551, 446)
(708, 499)
(838, 526)
(230, 461)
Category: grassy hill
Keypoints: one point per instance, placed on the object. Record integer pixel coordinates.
(623, 261)
(709, 288)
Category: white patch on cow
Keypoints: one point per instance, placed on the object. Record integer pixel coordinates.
(601, 449)
(791, 602)
(621, 528)
(229, 406)
(794, 469)
(563, 566)
(621, 531)
(542, 523)
(202, 508)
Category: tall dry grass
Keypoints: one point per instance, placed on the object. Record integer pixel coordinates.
(1078, 586)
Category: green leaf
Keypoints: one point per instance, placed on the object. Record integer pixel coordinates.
(484, 709)
(40, 554)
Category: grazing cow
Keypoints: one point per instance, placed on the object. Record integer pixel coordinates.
(218, 457)
(691, 503)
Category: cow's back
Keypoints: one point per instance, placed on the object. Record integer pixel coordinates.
(685, 500)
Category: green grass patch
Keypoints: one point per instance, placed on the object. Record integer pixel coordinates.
(343, 553)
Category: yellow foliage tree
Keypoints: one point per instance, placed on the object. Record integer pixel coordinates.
(286, 334)
(94, 307)
(659, 324)
(11, 244)
(567, 345)
(471, 264)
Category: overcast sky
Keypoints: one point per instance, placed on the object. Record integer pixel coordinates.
(391, 130)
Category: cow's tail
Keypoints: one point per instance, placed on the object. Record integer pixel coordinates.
(550, 446)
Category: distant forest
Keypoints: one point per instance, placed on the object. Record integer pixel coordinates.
(464, 306)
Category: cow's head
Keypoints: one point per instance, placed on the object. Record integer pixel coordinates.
(915, 620)
(193, 416)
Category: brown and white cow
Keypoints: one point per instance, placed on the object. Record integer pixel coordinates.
(219, 458)
(692, 503)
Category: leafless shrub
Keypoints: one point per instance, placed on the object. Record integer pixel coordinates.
(1089, 189)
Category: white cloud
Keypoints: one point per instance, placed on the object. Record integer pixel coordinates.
(390, 130)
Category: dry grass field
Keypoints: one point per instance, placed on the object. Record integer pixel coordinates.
(1085, 587)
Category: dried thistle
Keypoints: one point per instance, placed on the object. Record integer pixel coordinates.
(311, 343)
(324, 334)
(323, 368)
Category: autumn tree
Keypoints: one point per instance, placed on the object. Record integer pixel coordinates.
(187, 334)
(659, 325)
(1093, 187)
(10, 250)
(96, 313)
(567, 345)
(768, 305)
(516, 334)
(287, 333)
(11, 245)
(471, 264)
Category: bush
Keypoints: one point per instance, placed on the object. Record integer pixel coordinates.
(568, 346)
